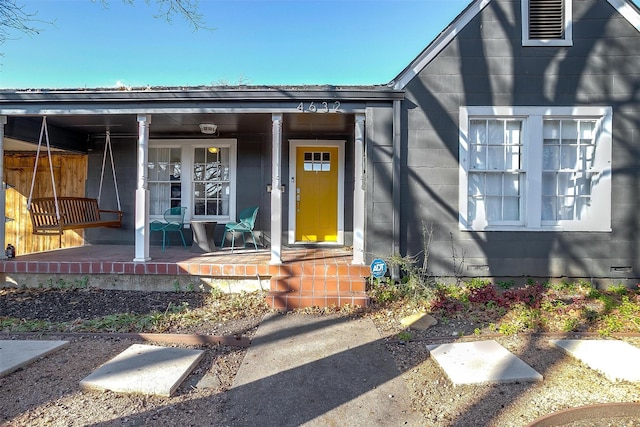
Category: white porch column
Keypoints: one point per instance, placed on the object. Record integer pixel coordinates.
(3, 191)
(358, 192)
(142, 192)
(276, 189)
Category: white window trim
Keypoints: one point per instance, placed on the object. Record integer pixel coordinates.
(568, 27)
(186, 155)
(532, 163)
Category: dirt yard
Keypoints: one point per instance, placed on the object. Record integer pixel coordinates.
(47, 392)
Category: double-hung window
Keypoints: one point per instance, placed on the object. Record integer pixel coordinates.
(535, 168)
(495, 174)
(198, 174)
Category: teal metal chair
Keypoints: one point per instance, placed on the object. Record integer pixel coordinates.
(245, 224)
(173, 221)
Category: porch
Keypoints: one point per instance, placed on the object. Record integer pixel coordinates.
(306, 277)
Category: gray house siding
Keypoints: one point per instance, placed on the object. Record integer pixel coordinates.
(486, 65)
(379, 182)
(254, 172)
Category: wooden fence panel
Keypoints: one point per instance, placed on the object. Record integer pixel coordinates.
(70, 174)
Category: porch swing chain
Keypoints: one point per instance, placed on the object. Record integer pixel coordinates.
(107, 147)
(44, 132)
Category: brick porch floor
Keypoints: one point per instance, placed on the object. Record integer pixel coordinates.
(307, 276)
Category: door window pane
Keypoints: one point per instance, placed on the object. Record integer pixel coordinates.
(317, 162)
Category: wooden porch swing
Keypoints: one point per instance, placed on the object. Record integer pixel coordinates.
(54, 215)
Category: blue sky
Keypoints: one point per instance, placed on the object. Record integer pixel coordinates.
(258, 42)
(262, 42)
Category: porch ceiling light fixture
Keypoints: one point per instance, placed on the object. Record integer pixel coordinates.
(208, 128)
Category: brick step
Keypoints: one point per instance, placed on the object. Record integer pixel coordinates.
(319, 269)
(293, 300)
(317, 284)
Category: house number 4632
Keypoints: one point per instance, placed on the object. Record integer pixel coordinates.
(321, 107)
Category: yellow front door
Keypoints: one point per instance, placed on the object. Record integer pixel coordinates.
(317, 194)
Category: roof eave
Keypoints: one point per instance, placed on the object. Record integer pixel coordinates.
(438, 44)
(150, 95)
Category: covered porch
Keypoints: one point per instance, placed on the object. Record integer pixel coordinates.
(214, 151)
(306, 277)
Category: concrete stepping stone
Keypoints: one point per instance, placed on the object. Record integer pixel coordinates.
(481, 362)
(144, 369)
(419, 321)
(616, 360)
(14, 354)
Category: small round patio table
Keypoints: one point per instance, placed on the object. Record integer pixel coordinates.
(203, 232)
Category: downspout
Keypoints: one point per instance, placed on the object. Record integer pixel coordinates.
(395, 191)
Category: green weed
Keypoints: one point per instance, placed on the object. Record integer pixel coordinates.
(405, 336)
(570, 324)
(477, 283)
(618, 289)
(610, 324)
(563, 286)
(215, 292)
(594, 294)
(10, 324)
(505, 284)
(508, 329)
(628, 308)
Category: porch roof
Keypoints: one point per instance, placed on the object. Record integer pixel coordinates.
(122, 98)
(177, 111)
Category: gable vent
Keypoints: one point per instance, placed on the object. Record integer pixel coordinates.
(546, 19)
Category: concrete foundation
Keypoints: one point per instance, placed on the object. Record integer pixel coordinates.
(133, 282)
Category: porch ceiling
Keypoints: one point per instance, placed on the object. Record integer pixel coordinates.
(182, 125)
